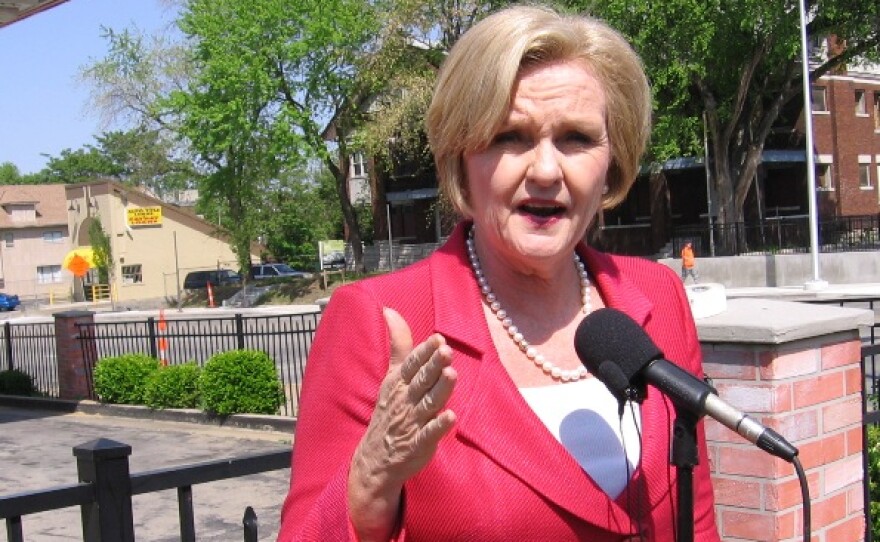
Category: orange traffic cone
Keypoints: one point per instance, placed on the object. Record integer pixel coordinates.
(163, 342)
(210, 296)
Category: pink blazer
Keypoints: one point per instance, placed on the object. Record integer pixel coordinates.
(501, 475)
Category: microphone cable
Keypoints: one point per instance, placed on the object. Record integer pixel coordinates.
(638, 484)
(805, 495)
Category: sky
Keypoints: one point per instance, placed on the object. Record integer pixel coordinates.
(43, 104)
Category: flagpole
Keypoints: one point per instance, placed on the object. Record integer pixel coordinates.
(815, 283)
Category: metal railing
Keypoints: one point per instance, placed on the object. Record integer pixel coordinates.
(286, 338)
(781, 235)
(105, 490)
(30, 348)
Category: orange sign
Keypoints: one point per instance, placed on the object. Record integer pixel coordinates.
(78, 266)
(79, 260)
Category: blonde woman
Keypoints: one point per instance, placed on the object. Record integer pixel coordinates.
(445, 401)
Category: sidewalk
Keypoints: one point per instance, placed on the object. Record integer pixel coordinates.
(36, 453)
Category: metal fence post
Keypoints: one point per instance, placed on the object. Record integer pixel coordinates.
(151, 332)
(250, 525)
(239, 331)
(104, 464)
(7, 338)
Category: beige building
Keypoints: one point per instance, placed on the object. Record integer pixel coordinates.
(153, 244)
(34, 237)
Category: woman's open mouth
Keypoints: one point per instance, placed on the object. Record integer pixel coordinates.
(542, 211)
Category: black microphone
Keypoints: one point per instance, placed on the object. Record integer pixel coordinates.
(620, 354)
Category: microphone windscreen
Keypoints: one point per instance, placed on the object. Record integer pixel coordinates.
(610, 335)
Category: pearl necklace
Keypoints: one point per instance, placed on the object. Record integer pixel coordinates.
(513, 332)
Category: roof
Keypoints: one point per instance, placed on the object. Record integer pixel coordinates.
(141, 198)
(49, 200)
(16, 10)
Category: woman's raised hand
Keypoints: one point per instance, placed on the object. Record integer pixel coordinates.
(406, 426)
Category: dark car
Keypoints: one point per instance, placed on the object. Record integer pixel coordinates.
(8, 302)
(277, 270)
(217, 277)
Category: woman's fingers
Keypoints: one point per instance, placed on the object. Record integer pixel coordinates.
(409, 419)
(401, 336)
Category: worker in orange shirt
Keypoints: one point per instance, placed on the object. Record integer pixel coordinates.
(689, 263)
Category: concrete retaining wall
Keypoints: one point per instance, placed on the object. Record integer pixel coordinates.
(785, 269)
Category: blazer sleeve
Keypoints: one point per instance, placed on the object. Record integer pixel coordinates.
(346, 365)
(705, 528)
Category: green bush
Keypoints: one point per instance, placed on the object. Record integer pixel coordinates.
(175, 386)
(874, 478)
(15, 382)
(123, 379)
(240, 381)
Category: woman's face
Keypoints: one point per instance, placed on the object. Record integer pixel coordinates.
(537, 186)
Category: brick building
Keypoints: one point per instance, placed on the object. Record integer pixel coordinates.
(846, 132)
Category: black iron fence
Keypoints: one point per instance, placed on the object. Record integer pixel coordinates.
(286, 338)
(105, 490)
(30, 347)
(781, 235)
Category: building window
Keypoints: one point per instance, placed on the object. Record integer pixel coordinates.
(865, 176)
(819, 103)
(861, 107)
(48, 274)
(24, 212)
(52, 236)
(823, 177)
(817, 46)
(9, 239)
(877, 111)
(358, 165)
(132, 274)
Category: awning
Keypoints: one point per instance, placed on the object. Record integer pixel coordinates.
(79, 260)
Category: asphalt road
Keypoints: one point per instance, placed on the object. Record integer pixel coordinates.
(36, 453)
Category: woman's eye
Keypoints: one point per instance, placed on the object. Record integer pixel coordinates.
(578, 138)
(506, 137)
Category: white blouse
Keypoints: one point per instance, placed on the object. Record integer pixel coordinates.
(583, 416)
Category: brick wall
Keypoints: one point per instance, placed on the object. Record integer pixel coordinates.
(809, 391)
(845, 135)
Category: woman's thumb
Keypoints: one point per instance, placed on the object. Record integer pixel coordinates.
(400, 334)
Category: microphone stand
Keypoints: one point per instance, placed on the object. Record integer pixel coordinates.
(685, 457)
(684, 454)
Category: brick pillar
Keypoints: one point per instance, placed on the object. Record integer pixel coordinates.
(74, 368)
(795, 368)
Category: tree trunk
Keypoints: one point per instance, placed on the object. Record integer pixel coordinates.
(349, 217)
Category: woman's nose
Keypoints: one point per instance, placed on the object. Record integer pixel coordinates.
(545, 167)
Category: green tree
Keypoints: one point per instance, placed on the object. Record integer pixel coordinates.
(81, 165)
(9, 173)
(737, 61)
(301, 210)
(147, 159)
(127, 87)
(415, 38)
(100, 242)
(269, 76)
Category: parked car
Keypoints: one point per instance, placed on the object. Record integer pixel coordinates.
(8, 302)
(276, 270)
(217, 277)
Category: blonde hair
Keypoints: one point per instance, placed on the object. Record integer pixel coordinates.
(474, 89)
